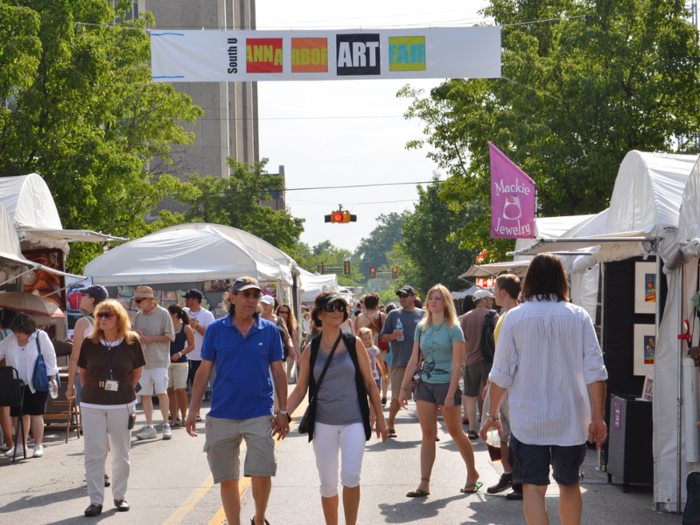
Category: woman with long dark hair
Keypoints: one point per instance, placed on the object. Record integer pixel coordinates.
(285, 312)
(178, 370)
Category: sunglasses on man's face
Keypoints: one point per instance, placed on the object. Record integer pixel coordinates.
(334, 307)
(251, 294)
(138, 301)
(403, 296)
(105, 315)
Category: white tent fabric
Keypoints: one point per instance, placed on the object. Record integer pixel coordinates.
(11, 261)
(189, 255)
(313, 284)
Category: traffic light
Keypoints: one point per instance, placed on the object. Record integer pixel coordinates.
(372, 273)
(347, 268)
(320, 269)
(341, 216)
(394, 273)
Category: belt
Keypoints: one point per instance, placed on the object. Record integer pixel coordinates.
(101, 384)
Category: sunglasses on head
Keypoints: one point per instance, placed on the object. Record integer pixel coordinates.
(334, 307)
(105, 315)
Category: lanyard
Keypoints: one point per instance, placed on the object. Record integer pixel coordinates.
(109, 358)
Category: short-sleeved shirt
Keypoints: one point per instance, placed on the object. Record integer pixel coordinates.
(204, 317)
(155, 322)
(125, 359)
(243, 384)
(497, 330)
(472, 324)
(401, 350)
(436, 346)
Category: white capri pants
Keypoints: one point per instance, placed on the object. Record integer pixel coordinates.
(97, 425)
(328, 440)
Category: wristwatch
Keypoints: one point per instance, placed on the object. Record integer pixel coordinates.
(289, 418)
(493, 419)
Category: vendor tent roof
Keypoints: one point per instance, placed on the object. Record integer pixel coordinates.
(29, 203)
(314, 284)
(689, 220)
(10, 253)
(189, 255)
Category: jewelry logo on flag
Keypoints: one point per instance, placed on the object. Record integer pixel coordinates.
(514, 202)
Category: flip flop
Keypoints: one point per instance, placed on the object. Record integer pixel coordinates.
(473, 435)
(469, 490)
(392, 434)
(418, 493)
(199, 418)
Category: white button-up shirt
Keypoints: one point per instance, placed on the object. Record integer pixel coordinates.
(547, 355)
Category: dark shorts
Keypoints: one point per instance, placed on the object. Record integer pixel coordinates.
(530, 463)
(32, 404)
(474, 376)
(435, 393)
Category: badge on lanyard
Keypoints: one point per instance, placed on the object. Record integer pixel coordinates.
(112, 386)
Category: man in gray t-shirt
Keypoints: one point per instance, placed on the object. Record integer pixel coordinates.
(401, 351)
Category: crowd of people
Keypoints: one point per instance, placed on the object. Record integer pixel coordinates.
(528, 372)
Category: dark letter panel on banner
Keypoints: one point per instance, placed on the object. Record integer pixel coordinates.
(358, 54)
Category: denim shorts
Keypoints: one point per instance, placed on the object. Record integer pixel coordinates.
(530, 463)
(436, 393)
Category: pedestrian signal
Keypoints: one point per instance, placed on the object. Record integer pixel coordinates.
(394, 273)
(347, 268)
(372, 273)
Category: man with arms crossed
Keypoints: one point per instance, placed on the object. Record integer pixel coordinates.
(199, 320)
(155, 326)
(401, 351)
(547, 354)
(245, 348)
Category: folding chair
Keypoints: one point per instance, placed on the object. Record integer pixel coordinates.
(62, 409)
(12, 395)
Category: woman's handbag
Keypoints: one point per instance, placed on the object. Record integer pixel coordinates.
(384, 346)
(310, 412)
(40, 378)
(415, 380)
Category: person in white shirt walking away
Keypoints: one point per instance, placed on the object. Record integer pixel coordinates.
(547, 354)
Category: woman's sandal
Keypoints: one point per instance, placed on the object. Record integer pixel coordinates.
(473, 435)
(392, 433)
(472, 488)
(418, 493)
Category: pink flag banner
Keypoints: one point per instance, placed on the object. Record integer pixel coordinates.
(512, 199)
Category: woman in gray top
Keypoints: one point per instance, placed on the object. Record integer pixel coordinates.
(339, 412)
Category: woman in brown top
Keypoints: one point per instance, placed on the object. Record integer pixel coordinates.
(110, 365)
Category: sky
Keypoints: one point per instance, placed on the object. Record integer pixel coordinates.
(334, 133)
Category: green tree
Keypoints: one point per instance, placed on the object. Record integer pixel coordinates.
(578, 92)
(372, 251)
(236, 202)
(80, 109)
(326, 253)
(432, 254)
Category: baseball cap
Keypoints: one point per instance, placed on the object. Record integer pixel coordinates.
(480, 294)
(408, 290)
(331, 298)
(97, 291)
(267, 299)
(245, 283)
(194, 294)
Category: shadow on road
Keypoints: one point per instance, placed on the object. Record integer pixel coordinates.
(414, 509)
(29, 501)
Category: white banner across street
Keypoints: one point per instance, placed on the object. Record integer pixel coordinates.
(231, 56)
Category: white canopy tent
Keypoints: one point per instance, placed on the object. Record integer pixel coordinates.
(313, 284)
(180, 256)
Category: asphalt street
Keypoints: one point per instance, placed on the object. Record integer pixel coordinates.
(170, 484)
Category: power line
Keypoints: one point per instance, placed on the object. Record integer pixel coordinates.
(233, 192)
(355, 203)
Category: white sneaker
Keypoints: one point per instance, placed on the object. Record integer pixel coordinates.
(147, 433)
(20, 451)
(38, 451)
(167, 433)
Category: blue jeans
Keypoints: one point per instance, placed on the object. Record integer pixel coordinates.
(691, 514)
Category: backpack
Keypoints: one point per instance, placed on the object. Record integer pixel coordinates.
(488, 343)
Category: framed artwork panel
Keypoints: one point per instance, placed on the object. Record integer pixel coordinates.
(645, 288)
(644, 348)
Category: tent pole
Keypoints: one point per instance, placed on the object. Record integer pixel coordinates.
(295, 298)
(679, 392)
(20, 275)
(601, 298)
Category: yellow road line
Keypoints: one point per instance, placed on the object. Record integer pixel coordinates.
(188, 505)
(244, 484)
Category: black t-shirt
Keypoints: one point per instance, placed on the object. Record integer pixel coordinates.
(125, 358)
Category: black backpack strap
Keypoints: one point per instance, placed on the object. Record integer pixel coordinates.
(350, 340)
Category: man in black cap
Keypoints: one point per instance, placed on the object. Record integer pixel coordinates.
(200, 318)
(245, 348)
(398, 329)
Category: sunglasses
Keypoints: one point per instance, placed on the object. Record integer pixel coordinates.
(105, 315)
(283, 312)
(251, 293)
(138, 301)
(334, 307)
(402, 296)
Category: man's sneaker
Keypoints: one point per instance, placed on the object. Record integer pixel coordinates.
(20, 451)
(504, 483)
(147, 433)
(167, 434)
(38, 451)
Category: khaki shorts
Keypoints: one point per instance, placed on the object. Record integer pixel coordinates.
(177, 375)
(223, 447)
(397, 373)
(157, 377)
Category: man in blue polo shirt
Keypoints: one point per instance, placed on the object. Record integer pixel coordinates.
(245, 348)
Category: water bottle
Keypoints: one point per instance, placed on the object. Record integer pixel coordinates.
(53, 390)
(399, 326)
(493, 444)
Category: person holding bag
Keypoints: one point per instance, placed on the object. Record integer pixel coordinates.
(441, 341)
(110, 364)
(21, 349)
(337, 373)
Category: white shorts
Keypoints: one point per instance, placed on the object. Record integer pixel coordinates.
(157, 376)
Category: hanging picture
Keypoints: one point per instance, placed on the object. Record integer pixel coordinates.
(269, 289)
(648, 390)
(645, 288)
(644, 348)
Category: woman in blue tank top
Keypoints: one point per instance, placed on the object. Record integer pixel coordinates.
(178, 370)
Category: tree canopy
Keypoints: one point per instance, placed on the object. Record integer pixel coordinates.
(582, 86)
(372, 252)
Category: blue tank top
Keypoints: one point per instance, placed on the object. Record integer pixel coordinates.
(179, 345)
